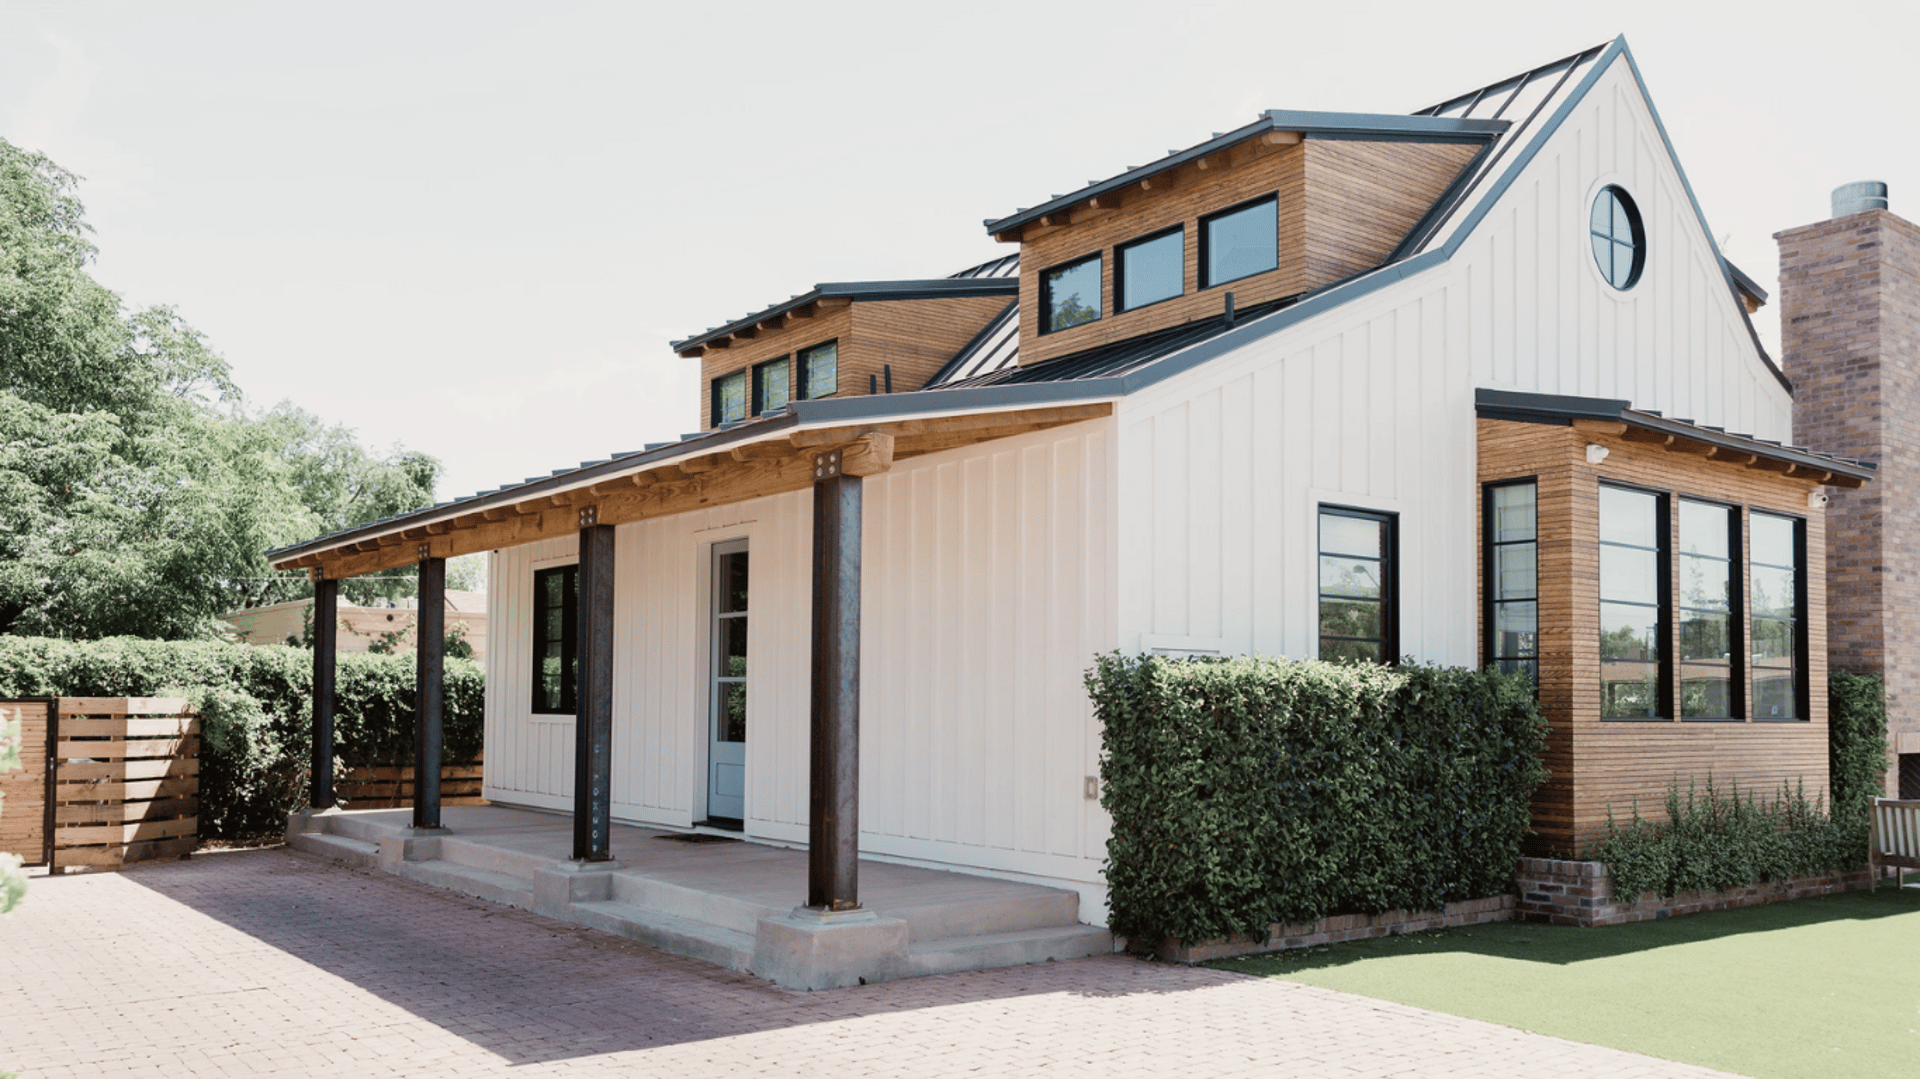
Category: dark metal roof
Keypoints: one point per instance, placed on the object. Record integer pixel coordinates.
(927, 289)
(1337, 125)
(1004, 266)
(997, 345)
(1746, 284)
(1560, 410)
(1121, 357)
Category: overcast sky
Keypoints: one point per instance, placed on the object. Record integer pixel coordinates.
(472, 228)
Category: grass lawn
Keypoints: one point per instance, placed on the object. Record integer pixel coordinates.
(1813, 988)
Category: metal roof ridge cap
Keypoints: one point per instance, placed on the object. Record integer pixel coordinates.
(1312, 120)
(837, 412)
(986, 286)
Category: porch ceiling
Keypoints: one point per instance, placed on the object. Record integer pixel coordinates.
(771, 461)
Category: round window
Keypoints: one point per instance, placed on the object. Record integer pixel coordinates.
(1619, 239)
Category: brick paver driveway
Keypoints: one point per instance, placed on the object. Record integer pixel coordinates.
(270, 963)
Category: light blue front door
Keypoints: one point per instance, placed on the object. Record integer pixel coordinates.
(727, 711)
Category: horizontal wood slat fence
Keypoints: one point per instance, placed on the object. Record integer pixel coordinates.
(26, 816)
(125, 781)
(366, 787)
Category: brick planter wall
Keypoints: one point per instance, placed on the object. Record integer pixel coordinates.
(1581, 893)
(1343, 927)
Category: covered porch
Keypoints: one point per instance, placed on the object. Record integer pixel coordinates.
(714, 897)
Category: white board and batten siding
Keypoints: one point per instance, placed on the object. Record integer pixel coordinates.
(1372, 404)
(988, 581)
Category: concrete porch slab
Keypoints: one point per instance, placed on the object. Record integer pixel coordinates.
(729, 902)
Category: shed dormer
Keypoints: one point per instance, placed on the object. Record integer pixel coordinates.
(1292, 202)
(842, 339)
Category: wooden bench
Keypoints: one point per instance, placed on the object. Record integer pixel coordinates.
(1895, 836)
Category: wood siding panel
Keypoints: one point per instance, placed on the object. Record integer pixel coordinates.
(23, 794)
(529, 758)
(915, 337)
(1615, 765)
(827, 325)
(1363, 198)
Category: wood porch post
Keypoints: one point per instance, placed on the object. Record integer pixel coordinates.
(593, 697)
(430, 643)
(833, 823)
(326, 607)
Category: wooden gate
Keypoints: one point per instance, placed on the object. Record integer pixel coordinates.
(126, 780)
(26, 814)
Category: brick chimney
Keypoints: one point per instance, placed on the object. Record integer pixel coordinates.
(1850, 339)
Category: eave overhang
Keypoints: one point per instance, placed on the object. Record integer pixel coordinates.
(839, 293)
(1684, 436)
(1292, 126)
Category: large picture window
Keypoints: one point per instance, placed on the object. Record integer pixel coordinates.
(1357, 589)
(1150, 270)
(1070, 294)
(1633, 612)
(1240, 242)
(1513, 576)
(1707, 605)
(555, 606)
(1778, 583)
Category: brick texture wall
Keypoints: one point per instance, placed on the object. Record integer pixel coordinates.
(1850, 334)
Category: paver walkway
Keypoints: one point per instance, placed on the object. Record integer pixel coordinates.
(271, 963)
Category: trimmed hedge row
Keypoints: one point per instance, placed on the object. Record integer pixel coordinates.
(1856, 741)
(1250, 791)
(256, 708)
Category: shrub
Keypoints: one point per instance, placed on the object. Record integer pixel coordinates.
(1719, 842)
(1856, 741)
(256, 708)
(1249, 791)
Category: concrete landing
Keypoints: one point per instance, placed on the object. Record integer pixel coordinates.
(729, 902)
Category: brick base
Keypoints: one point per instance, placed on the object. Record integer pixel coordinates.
(1581, 893)
(1343, 927)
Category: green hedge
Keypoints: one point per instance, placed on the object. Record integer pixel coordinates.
(256, 708)
(1856, 741)
(1246, 792)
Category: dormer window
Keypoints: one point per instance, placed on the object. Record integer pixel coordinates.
(730, 398)
(1240, 242)
(772, 385)
(1150, 270)
(1070, 294)
(820, 370)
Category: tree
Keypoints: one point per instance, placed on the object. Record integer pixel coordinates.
(138, 495)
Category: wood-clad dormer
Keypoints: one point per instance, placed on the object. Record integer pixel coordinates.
(1288, 204)
(839, 340)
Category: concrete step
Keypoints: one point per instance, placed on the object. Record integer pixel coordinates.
(494, 859)
(988, 914)
(495, 887)
(726, 947)
(678, 901)
(1007, 949)
(359, 826)
(338, 848)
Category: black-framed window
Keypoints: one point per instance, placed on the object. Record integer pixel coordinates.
(730, 398)
(555, 607)
(1777, 580)
(1633, 606)
(1358, 601)
(1150, 269)
(772, 385)
(1240, 241)
(1619, 237)
(1070, 294)
(1512, 566)
(820, 370)
(1708, 607)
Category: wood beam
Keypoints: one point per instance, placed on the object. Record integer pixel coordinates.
(869, 455)
(1651, 438)
(1611, 428)
(1281, 138)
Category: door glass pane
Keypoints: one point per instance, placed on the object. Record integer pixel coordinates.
(733, 583)
(733, 717)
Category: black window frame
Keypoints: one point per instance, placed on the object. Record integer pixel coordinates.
(803, 366)
(746, 401)
(1120, 267)
(1489, 603)
(1636, 240)
(1206, 246)
(1046, 292)
(1389, 578)
(757, 392)
(1737, 636)
(569, 639)
(1802, 689)
(1664, 703)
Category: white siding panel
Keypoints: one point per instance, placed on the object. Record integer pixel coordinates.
(529, 758)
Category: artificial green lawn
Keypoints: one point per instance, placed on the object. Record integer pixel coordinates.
(1812, 988)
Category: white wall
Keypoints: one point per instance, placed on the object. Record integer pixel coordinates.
(988, 588)
(1372, 404)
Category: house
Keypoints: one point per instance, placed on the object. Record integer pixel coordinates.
(359, 629)
(1337, 385)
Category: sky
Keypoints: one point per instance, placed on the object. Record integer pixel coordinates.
(472, 228)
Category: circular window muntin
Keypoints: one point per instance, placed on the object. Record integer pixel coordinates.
(1619, 237)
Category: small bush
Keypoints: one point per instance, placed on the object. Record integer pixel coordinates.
(1719, 842)
(1248, 791)
(256, 709)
